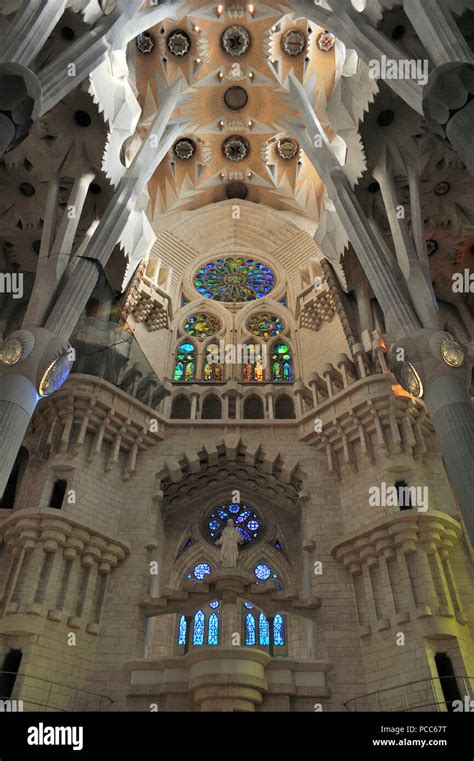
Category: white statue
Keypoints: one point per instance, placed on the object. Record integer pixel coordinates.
(228, 542)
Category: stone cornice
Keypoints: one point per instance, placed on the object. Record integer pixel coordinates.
(405, 530)
(89, 405)
(25, 528)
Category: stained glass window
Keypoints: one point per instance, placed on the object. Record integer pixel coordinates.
(253, 370)
(185, 367)
(213, 368)
(214, 604)
(246, 522)
(202, 325)
(199, 571)
(263, 571)
(282, 366)
(213, 630)
(182, 631)
(249, 629)
(278, 631)
(263, 630)
(234, 279)
(198, 631)
(265, 325)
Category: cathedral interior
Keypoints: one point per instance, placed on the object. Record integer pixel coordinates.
(236, 336)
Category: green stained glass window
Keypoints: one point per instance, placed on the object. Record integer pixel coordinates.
(185, 367)
(234, 279)
(202, 325)
(265, 325)
(282, 364)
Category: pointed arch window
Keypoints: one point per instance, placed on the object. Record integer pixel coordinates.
(198, 630)
(185, 367)
(282, 363)
(183, 625)
(249, 629)
(213, 368)
(213, 630)
(252, 364)
(263, 630)
(278, 631)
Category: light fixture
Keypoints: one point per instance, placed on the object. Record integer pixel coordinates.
(198, 60)
(251, 8)
(452, 353)
(220, 9)
(220, 75)
(250, 123)
(55, 375)
(250, 74)
(11, 351)
(197, 28)
(221, 123)
(408, 378)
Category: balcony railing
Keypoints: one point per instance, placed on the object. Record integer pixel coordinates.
(42, 694)
(421, 695)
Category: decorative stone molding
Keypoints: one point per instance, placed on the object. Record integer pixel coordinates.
(231, 450)
(48, 547)
(228, 678)
(315, 307)
(148, 303)
(401, 571)
(230, 584)
(362, 416)
(90, 405)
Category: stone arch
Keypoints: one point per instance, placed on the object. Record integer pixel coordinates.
(181, 407)
(254, 407)
(200, 552)
(266, 554)
(284, 407)
(211, 408)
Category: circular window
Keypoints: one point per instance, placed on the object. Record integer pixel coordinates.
(199, 571)
(263, 571)
(184, 148)
(293, 42)
(287, 148)
(202, 325)
(236, 148)
(265, 325)
(246, 522)
(145, 42)
(178, 42)
(235, 41)
(234, 279)
(236, 98)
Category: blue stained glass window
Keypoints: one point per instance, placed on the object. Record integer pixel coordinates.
(248, 605)
(213, 630)
(263, 571)
(214, 604)
(249, 629)
(263, 630)
(182, 631)
(198, 631)
(201, 570)
(245, 520)
(278, 631)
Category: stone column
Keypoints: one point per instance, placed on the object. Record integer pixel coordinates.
(356, 32)
(30, 28)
